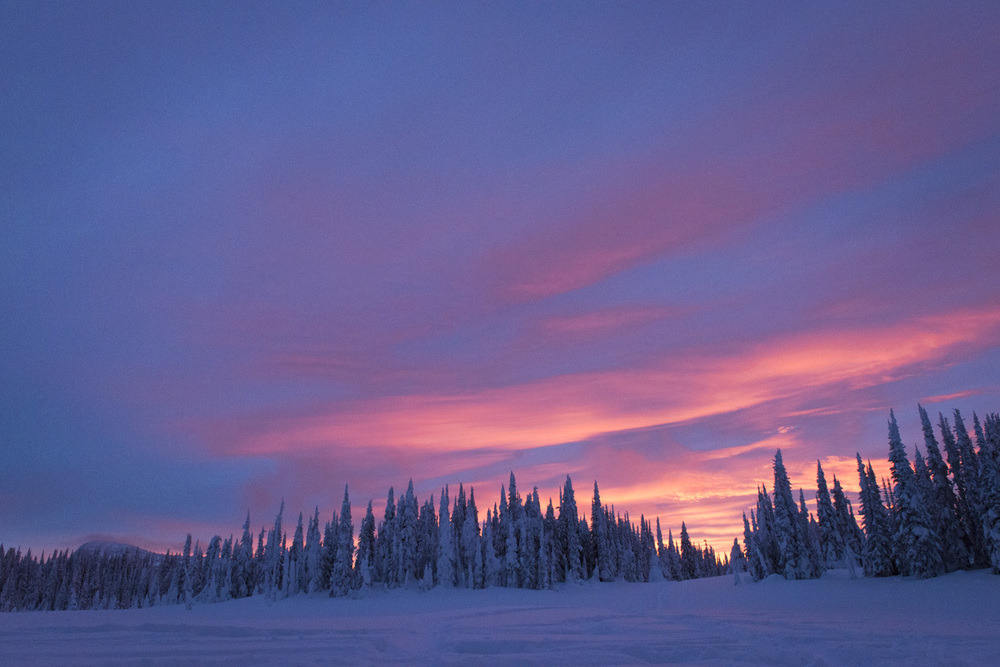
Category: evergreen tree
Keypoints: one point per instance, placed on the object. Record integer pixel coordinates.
(407, 513)
(366, 548)
(313, 571)
(989, 454)
(296, 561)
(569, 535)
(342, 579)
(688, 557)
(942, 506)
(877, 555)
(972, 496)
(918, 549)
(386, 566)
(470, 543)
(601, 545)
(831, 540)
(792, 549)
(446, 556)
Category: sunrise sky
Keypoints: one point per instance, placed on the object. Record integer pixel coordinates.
(254, 251)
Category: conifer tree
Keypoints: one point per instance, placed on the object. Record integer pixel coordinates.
(569, 534)
(972, 496)
(470, 543)
(918, 549)
(314, 556)
(343, 572)
(688, 557)
(989, 455)
(446, 557)
(386, 566)
(792, 556)
(942, 506)
(407, 513)
(365, 560)
(831, 539)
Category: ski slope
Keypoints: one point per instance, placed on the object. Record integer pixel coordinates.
(835, 620)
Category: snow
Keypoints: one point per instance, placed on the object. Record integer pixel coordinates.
(835, 620)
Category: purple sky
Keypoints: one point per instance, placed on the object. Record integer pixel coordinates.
(250, 253)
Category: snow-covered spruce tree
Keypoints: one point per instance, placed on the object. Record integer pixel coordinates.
(446, 557)
(366, 548)
(385, 563)
(599, 528)
(296, 561)
(959, 477)
(470, 543)
(688, 557)
(274, 557)
(808, 530)
(409, 552)
(492, 567)
(185, 582)
(989, 455)
(854, 538)
(917, 546)
(792, 547)
(342, 578)
(767, 536)
(755, 558)
(877, 554)
(313, 571)
(457, 520)
(972, 501)
(243, 584)
(943, 505)
(427, 544)
(569, 535)
(661, 553)
(832, 543)
(529, 537)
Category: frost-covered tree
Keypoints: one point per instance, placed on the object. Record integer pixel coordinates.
(792, 542)
(296, 561)
(877, 554)
(569, 536)
(366, 548)
(313, 572)
(470, 543)
(446, 556)
(917, 546)
(832, 543)
(942, 505)
(342, 578)
(386, 566)
(989, 455)
(407, 515)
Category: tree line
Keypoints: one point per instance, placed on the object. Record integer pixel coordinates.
(936, 514)
(420, 545)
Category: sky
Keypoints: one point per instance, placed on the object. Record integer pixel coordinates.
(258, 251)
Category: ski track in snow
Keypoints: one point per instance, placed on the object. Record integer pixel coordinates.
(951, 620)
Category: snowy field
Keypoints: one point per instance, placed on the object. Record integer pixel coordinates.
(832, 621)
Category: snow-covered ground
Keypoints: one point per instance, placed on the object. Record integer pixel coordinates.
(832, 621)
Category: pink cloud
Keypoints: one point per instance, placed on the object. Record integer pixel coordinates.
(793, 141)
(579, 406)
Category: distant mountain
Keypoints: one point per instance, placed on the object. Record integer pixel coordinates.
(114, 549)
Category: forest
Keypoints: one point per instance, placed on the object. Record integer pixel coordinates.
(938, 514)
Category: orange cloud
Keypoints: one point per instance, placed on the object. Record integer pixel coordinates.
(581, 406)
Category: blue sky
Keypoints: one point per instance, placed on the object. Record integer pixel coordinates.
(253, 252)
